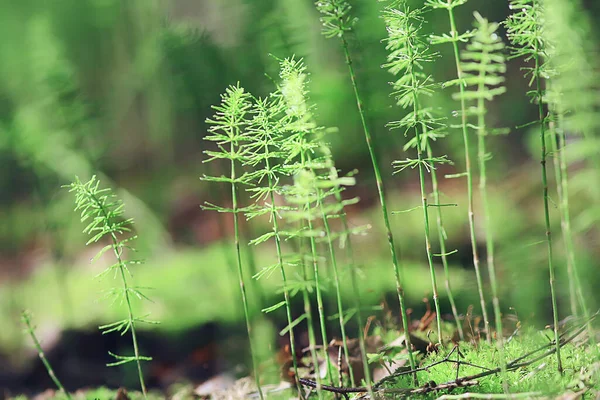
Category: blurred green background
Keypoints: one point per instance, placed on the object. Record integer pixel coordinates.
(121, 89)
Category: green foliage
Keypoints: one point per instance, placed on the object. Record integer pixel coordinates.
(484, 64)
(540, 377)
(105, 216)
(454, 38)
(227, 130)
(26, 317)
(408, 53)
(336, 19)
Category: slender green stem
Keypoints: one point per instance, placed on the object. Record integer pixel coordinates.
(117, 252)
(311, 326)
(424, 202)
(315, 263)
(286, 293)
(541, 116)
(568, 234)
(321, 309)
(442, 239)
(382, 201)
(338, 294)
(236, 232)
(38, 346)
(251, 257)
(469, 174)
(567, 239)
(489, 238)
(357, 298)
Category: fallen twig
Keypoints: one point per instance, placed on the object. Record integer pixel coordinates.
(489, 396)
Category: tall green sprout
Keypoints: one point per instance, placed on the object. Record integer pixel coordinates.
(483, 65)
(572, 93)
(26, 317)
(337, 22)
(226, 130)
(525, 33)
(263, 153)
(455, 38)
(299, 145)
(105, 216)
(442, 237)
(557, 147)
(408, 52)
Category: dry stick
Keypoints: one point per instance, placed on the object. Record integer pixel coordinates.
(38, 346)
(442, 239)
(469, 175)
(469, 395)
(538, 78)
(382, 201)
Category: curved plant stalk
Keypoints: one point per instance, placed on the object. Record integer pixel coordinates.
(407, 52)
(564, 32)
(263, 154)
(328, 183)
(226, 131)
(442, 237)
(525, 34)
(483, 66)
(26, 316)
(106, 216)
(454, 38)
(298, 148)
(566, 221)
(312, 337)
(337, 22)
(346, 242)
(560, 176)
(302, 195)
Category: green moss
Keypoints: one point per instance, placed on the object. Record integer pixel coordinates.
(580, 364)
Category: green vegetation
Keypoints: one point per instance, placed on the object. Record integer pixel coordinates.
(105, 218)
(307, 246)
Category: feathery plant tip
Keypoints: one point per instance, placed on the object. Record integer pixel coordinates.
(105, 216)
(227, 130)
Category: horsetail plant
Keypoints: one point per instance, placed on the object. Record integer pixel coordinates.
(455, 38)
(442, 237)
(106, 219)
(559, 143)
(337, 22)
(26, 317)
(264, 156)
(572, 93)
(407, 54)
(483, 65)
(227, 131)
(557, 134)
(346, 242)
(525, 33)
(300, 145)
(333, 184)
